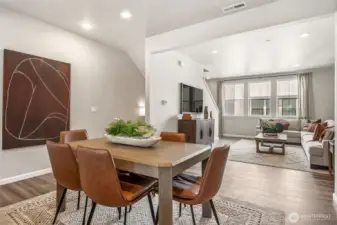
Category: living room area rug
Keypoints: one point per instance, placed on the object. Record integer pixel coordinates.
(244, 150)
(40, 211)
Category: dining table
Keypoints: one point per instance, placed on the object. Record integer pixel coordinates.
(163, 161)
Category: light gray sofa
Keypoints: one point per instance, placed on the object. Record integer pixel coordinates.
(316, 152)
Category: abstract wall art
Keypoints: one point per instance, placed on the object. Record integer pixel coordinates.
(36, 99)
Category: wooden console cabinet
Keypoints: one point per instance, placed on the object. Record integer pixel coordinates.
(199, 131)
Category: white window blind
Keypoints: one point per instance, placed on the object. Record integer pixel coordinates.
(287, 97)
(233, 95)
(259, 98)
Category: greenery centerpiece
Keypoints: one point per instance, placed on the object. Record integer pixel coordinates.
(136, 133)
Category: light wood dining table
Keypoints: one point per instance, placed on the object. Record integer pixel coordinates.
(162, 161)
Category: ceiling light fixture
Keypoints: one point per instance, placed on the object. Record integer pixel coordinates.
(87, 25)
(305, 35)
(214, 51)
(126, 14)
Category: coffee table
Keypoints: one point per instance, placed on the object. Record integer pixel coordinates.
(278, 141)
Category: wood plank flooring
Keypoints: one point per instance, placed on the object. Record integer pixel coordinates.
(288, 190)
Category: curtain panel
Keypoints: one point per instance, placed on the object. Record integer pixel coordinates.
(304, 87)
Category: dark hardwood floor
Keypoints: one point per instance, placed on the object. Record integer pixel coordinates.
(26, 189)
(304, 193)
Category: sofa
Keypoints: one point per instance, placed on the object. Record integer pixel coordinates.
(317, 152)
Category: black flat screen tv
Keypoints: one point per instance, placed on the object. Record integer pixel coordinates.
(191, 99)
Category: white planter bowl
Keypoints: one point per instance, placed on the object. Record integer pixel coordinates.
(133, 141)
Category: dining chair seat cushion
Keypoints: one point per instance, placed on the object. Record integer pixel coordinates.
(185, 189)
(190, 178)
(135, 187)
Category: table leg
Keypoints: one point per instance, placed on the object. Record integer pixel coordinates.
(59, 191)
(165, 196)
(283, 149)
(206, 207)
(257, 146)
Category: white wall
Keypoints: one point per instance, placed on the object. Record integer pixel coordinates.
(321, 98)
(100, 76)
(165, 75)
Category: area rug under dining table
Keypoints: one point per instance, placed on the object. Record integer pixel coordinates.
(40, 211)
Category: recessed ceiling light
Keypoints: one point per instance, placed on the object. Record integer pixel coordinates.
(295, 65)
(87, 25)
(305, 35)
(214, 51)
(126, 14)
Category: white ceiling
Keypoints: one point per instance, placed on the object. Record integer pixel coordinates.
(250, 52)
(104, 14)
(166, 15)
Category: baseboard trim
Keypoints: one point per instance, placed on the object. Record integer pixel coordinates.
(25, 176)
(238, 136)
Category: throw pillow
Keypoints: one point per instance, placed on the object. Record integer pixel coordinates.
(328, 134)
(318, 132)
(312, 127)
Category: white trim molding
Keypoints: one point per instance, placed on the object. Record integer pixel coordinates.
(25, 176)
(334, 197)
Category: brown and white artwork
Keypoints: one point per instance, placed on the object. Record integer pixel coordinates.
(36, 99)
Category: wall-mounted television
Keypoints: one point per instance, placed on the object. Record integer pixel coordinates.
(191, 99)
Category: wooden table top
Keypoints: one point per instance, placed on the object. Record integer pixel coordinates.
(163, 154)
(278, 138)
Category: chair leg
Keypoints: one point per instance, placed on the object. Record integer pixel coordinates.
(151, 208)
(193, 218)
(119, 212)
(60, 204)
(85, 210)
(214, 212)
(130, 209)
(125, 215)
(94, 204)
(157, 215)
(78, 200)
(180, 205)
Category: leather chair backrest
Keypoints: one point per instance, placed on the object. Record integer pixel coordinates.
(213, 175)
(64, 165)
(73, 135)
(172, 136)
(99, 177)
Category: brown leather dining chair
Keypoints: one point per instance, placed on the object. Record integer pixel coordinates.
(172, 136)
(192, 190)
(65, 170)
(103, 185)
(74, 135)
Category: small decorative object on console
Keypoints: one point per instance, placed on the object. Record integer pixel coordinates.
(210, 115)
(206, 113)
(187, 116)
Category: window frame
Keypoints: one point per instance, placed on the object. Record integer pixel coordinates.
(249, 98)
(243, 100)
(279, 97)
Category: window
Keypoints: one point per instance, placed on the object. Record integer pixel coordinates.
(233, 99)
(287, 97)
(259, 98)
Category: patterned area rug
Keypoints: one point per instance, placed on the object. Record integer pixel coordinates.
(40, 211)
(245, 151)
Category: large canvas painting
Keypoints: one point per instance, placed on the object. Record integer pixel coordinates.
(36, 99)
